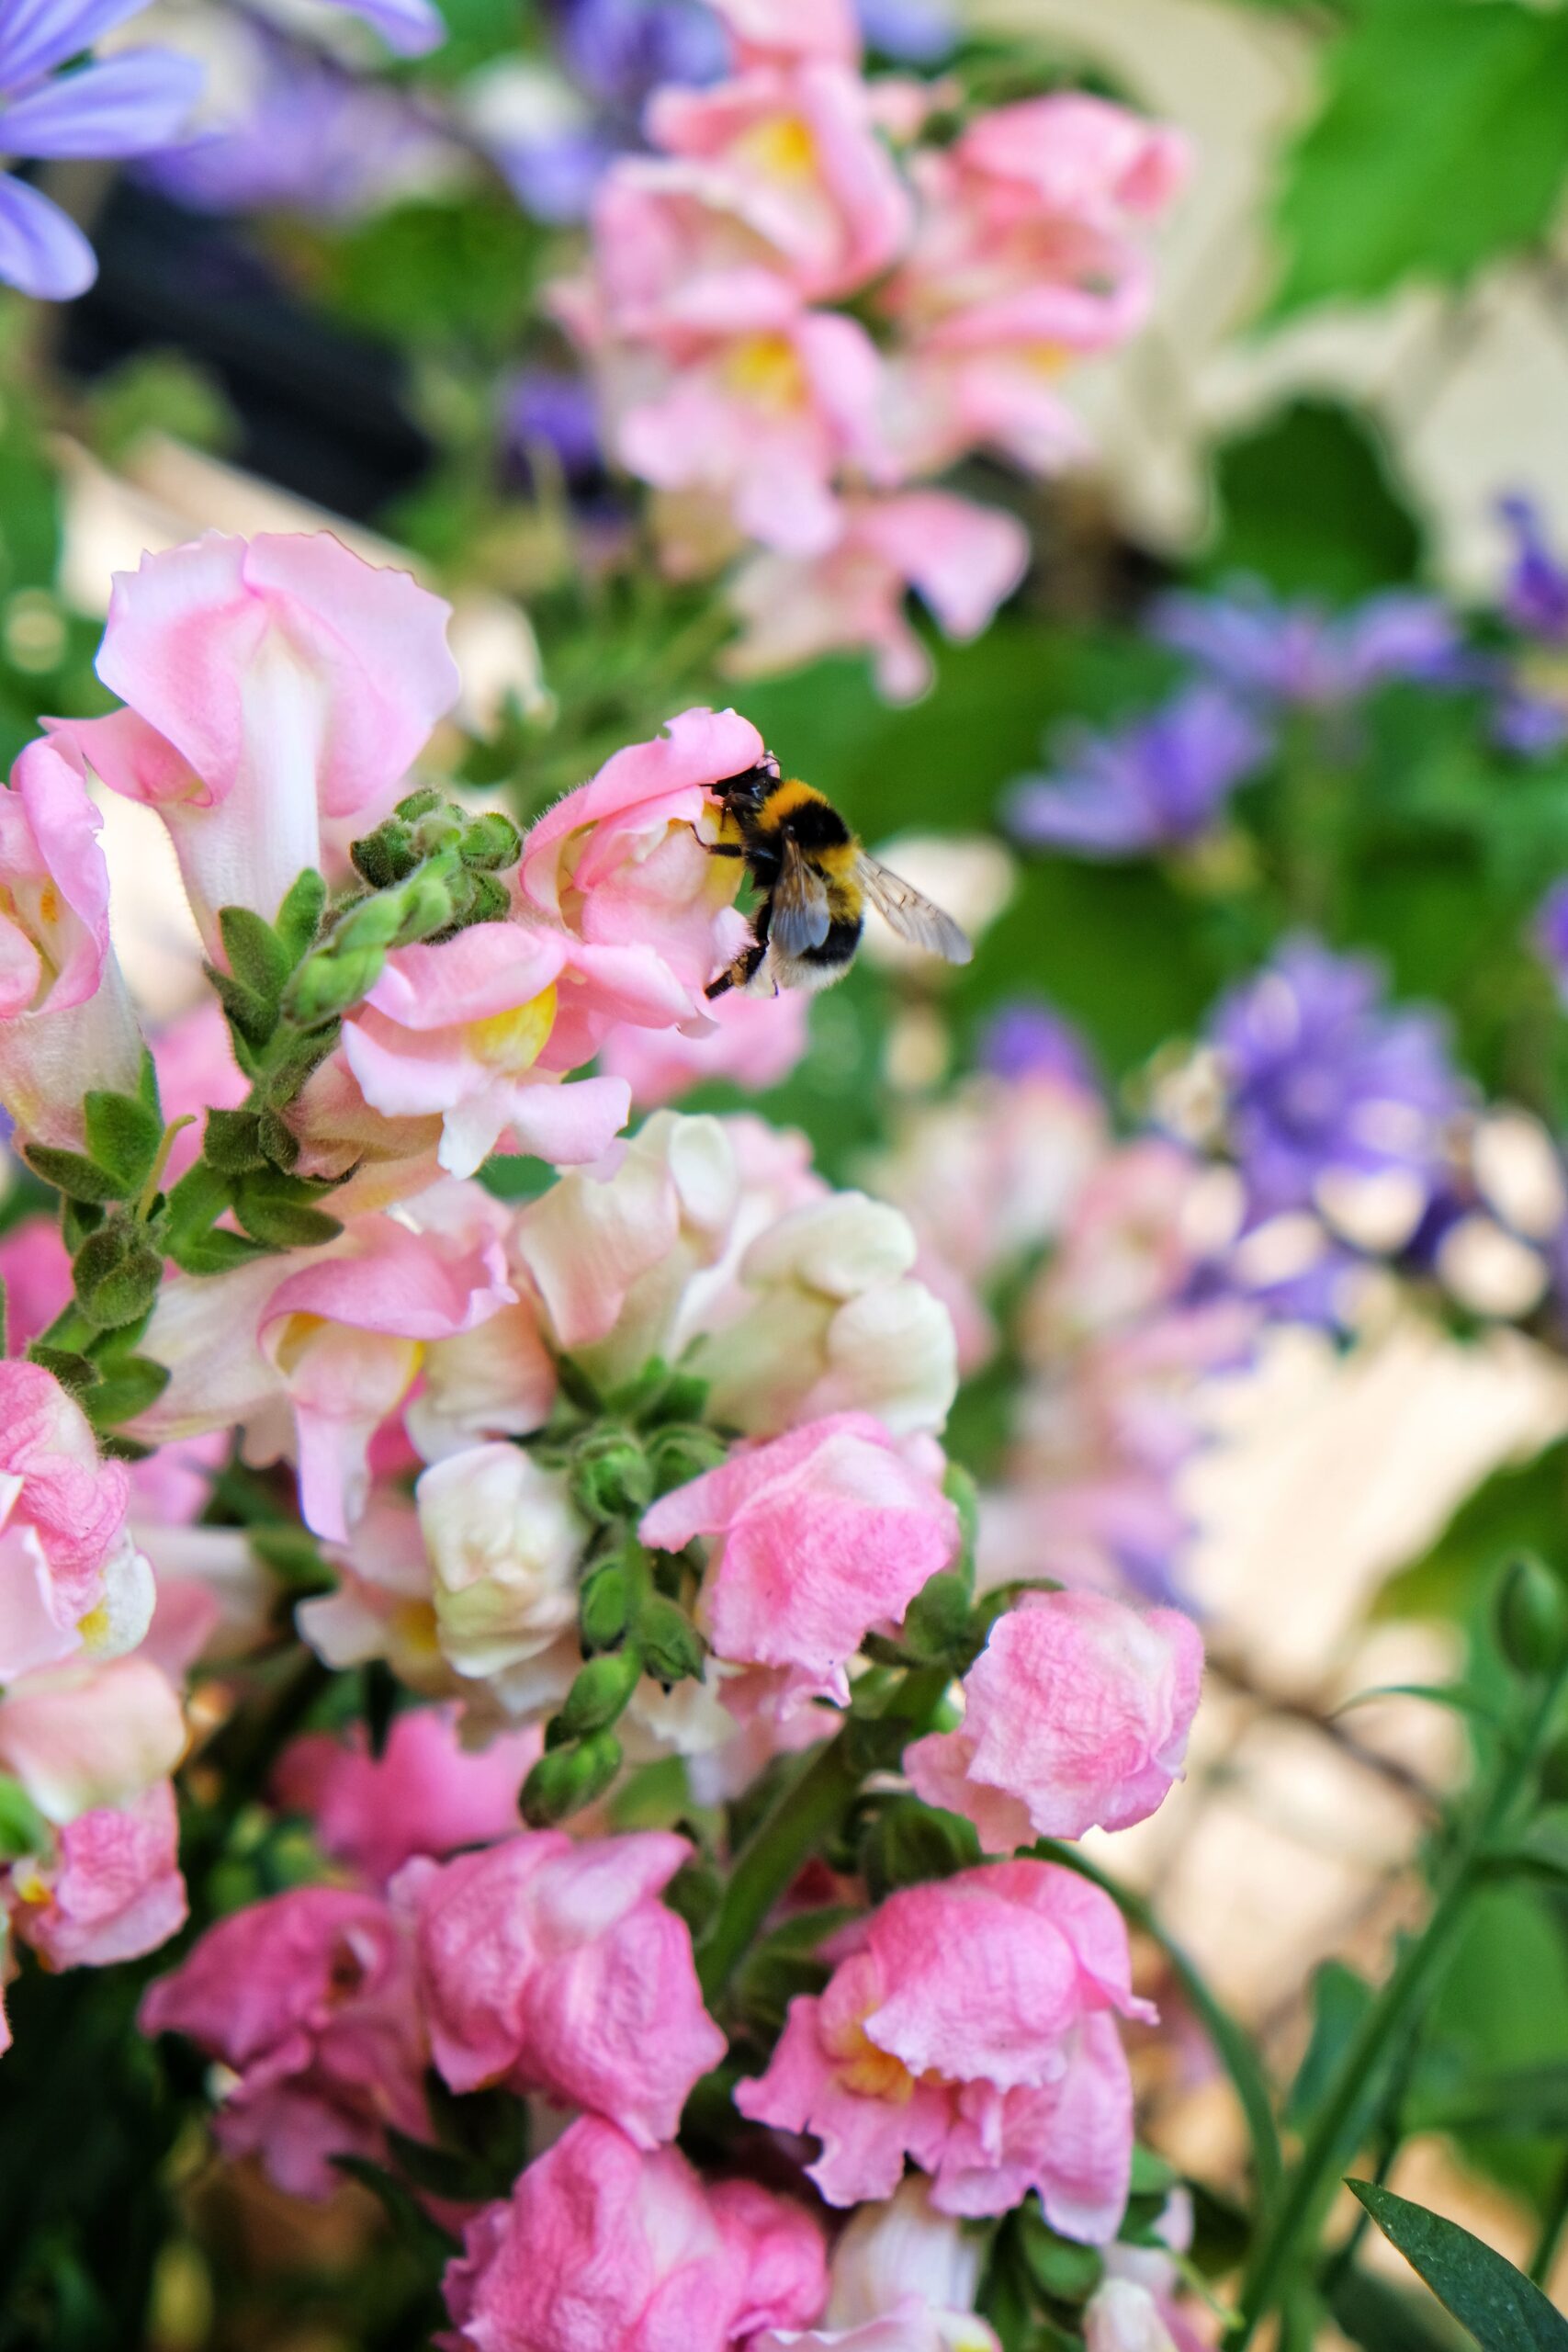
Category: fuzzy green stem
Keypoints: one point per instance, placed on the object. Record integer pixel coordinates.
(1359, 2085)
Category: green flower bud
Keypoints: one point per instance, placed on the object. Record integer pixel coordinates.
(426, 906)
(683, 1454)
(116, 1273)
(599, 1693)
(332, 983)
(372, 923)
(610, 1477)
(604, 1606)
(1532, 1617)
(415, 805)
(671, 1644)
(567, 1778)
(490, 842)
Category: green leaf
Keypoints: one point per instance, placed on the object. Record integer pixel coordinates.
(123, 1136)
(23, 1829)
(1339, 2001)
(1442, 140)
(1307, 502)
(73, 1372)
(74, 1174)
(1497, 2304)
(216, 1252)
(1518, 2099)
(1381, 2318)
(257, 957)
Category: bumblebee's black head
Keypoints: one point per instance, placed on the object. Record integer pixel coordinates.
(752, 785)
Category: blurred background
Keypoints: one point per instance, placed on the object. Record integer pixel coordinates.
(1340, 437)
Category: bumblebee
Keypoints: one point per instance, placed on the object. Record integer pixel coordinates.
(814, 881)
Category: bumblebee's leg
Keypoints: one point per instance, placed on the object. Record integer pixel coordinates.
(749, 962)
(724, 849)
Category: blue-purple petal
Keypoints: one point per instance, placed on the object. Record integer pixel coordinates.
(38, 35)
(129, 105)
(411, 27)
(42, 251)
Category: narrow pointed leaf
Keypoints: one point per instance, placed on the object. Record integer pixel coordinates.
(1498, 2304)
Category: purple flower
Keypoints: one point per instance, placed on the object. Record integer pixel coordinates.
(1321, 1079)
(1299, 655)
(620, 50)
(129, 105)
(1024, 1038)
(550, 407)
(314, 140)
(912, 32)
(1163, 779)
(1548, 934)
(411, 27)
(1534, 597)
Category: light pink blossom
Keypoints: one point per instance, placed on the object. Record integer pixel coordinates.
(308, 1999)
(603, 2247)
(769, 30)
(276, 688)
(425, 1794)
(902, 2277)
(35, 1272)
(458, 1030)
(970, 2026)
(754, 1043)
(619, 864)
(822, 1534)
(794, 154)
(505, 1543)
(345, 1336)
(66, 1023)
(552, 1965)
(963, 562)
(1075, 1717)
(110, 1891)
(194, 1057)
(71, 1579)
(81, 1737)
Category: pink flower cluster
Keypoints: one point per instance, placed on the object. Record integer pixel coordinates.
(799, 311)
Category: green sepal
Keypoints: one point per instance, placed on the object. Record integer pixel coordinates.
(671, 1644)
(275, 1209)
(597, 1697)
(1061, 2267)
(116, 1273)
(123, 1135)
(72, 1173)
(300, 916)
(232, 1141)
(906, 1843)
(251, 1018)
(216, 1252)
(936, 1621)
(147, 1087)
(77, 1219)
(75, 1373)
(129, 1389)
(604, 1605)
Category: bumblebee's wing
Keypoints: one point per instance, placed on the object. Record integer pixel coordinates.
(910, 914)
(800, 918)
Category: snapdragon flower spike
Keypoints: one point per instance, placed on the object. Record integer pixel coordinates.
(130, 103)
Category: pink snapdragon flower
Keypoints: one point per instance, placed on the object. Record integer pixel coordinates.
(962, 560)
(603, 2247)
(1075, 1717)
(458, 1030)
(425, 1794)
(793, 152)
(71, 1579)
(193, 1057)
(112, 1889)
(821, 1535)
(308, 1999)
(1022, 258)
(551, 1965)
(86, 1736)
(902, 2277)
(755, 1043)
(276, 691)
(66, 1024)
(505, 1544)
(760, 424)
(774, 31)
(35, 1273)
(619, 864)
(970, 2024)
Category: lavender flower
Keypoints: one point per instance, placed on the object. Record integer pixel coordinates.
(1323, 1080)
(1549, 936)
(128, 104)
(1296, 655)
(1532, 712)
(1535, 598)
(553, 409)
(620, 50)
(1163, 779)
(315, 139)
(910, 32)
(1024, 1038)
